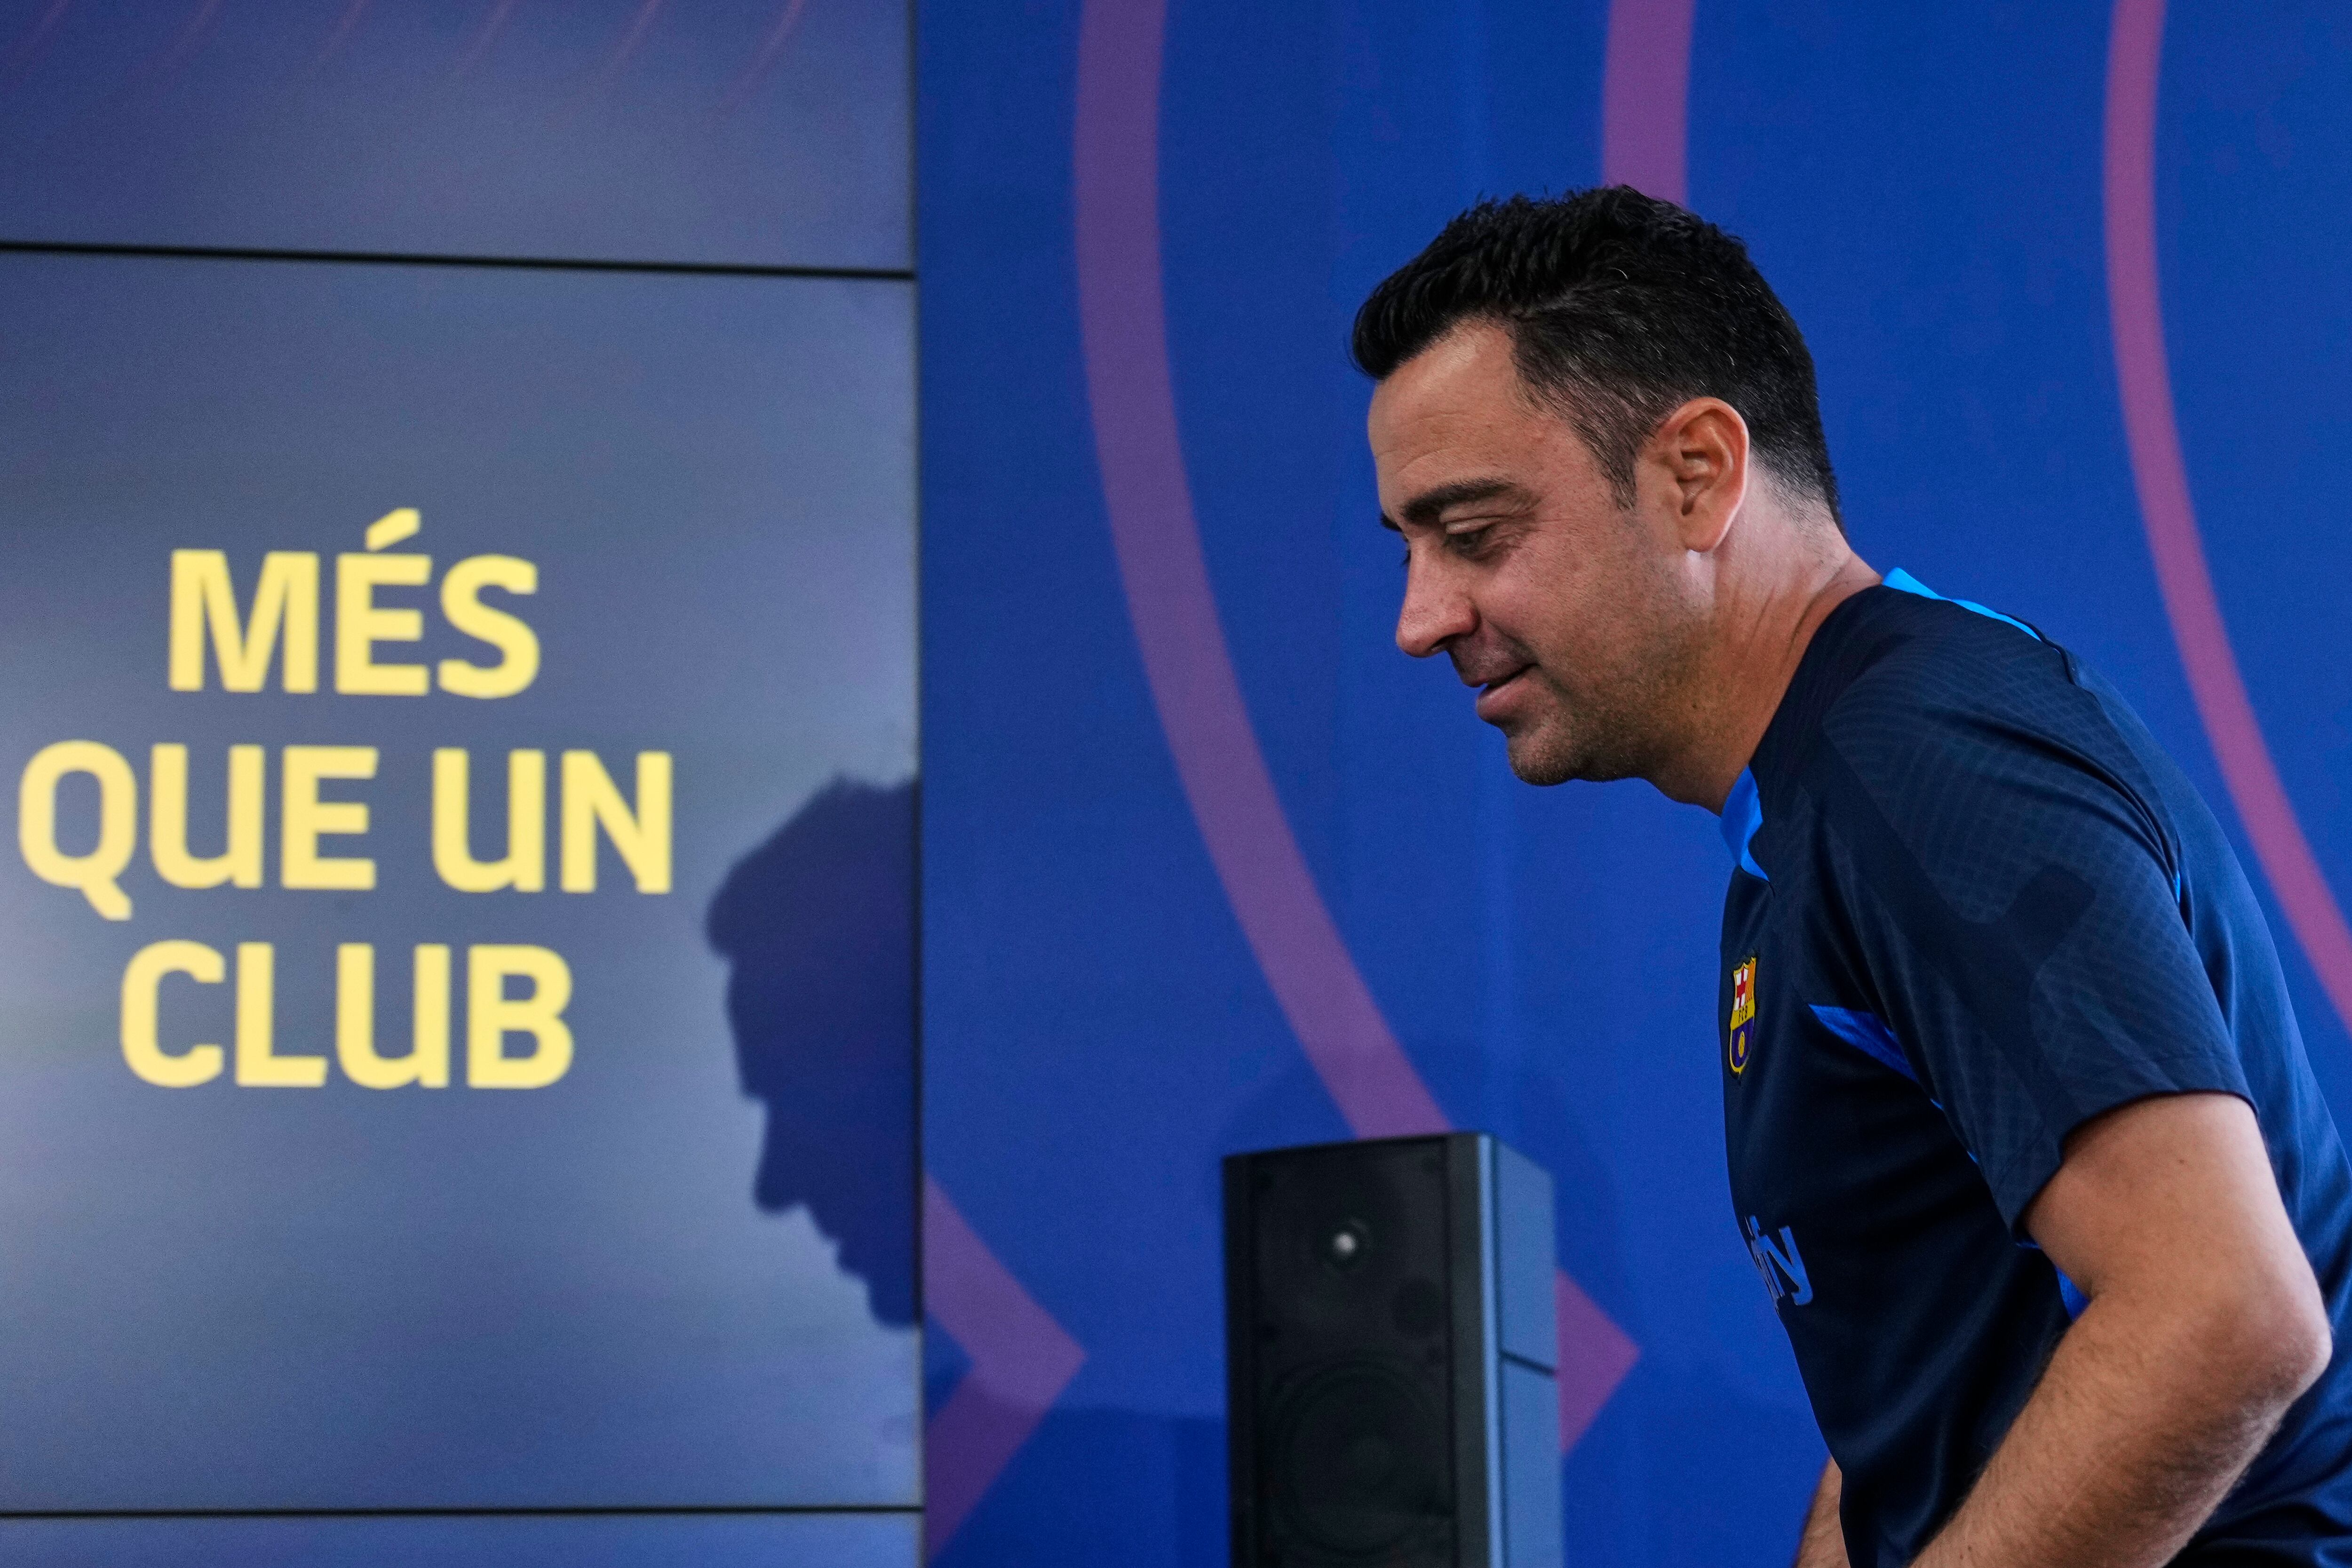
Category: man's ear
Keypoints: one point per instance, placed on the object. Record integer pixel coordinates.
(1695, 465)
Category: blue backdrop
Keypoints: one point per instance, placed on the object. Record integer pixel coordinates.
(658, 1307)
(1208, 864)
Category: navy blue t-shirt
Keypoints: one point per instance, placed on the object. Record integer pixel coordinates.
(1975, 906)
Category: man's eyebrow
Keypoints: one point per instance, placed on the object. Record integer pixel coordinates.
(1425, 508)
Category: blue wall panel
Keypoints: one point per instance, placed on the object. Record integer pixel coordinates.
(1930, 190)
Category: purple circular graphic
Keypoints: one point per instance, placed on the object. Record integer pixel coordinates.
(2144, 378)
(1187, 664)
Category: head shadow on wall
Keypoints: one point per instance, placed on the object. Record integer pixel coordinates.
(818, 925)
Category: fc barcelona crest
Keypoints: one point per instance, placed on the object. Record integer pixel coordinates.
(1743, 1012)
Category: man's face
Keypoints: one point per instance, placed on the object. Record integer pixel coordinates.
(1570, 612)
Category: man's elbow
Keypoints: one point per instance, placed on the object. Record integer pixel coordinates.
(2306, 1345)
(2275, 1336)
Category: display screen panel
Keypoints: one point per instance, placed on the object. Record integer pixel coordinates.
(456, 956)
(509, 1541)
(768, 132)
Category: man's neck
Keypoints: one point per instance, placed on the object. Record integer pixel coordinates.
(1759, 639)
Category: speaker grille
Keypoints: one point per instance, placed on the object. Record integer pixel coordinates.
(1357, 1454)
(1350, 1373)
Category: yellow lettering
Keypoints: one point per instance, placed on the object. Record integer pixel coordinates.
(359, 624)
(524, 868)
(285, 597)
(118, 823)
(167, 830)
(491, 1015)
(306, 818)
(142, 980)
(461, 602)
(428, 1061)
(400, 522)
(641, 835)
(258, 1065)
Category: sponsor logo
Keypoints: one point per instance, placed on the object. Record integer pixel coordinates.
(1777, 1258)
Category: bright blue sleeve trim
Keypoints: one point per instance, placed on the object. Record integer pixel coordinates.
(2070, 1295)
(1902, 582)
(1868, 1033)
(1743, 814)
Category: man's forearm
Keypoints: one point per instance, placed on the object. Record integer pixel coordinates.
(1824, 1543)
(2125, 1449)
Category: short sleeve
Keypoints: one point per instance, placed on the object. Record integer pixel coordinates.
(2012, 897)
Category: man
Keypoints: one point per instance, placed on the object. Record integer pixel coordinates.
(2022, 1133)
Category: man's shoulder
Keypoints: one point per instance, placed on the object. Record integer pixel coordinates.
(1970, 748)
(1896, 678)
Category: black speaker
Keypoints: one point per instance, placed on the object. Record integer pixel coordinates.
(1391, 1356)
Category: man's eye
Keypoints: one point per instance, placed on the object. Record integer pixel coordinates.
(1468, 542)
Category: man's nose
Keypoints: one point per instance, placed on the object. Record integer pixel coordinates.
(1434, 612)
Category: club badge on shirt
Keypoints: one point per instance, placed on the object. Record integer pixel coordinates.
(1743, 1013)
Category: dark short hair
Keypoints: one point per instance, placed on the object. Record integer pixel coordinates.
(1621, 308)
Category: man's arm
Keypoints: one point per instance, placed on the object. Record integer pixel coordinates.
(2204, 1324)
(1823, 1543)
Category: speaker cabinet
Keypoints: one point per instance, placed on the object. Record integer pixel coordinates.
(1391, 1356)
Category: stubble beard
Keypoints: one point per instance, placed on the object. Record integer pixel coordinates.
(1620, 724)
